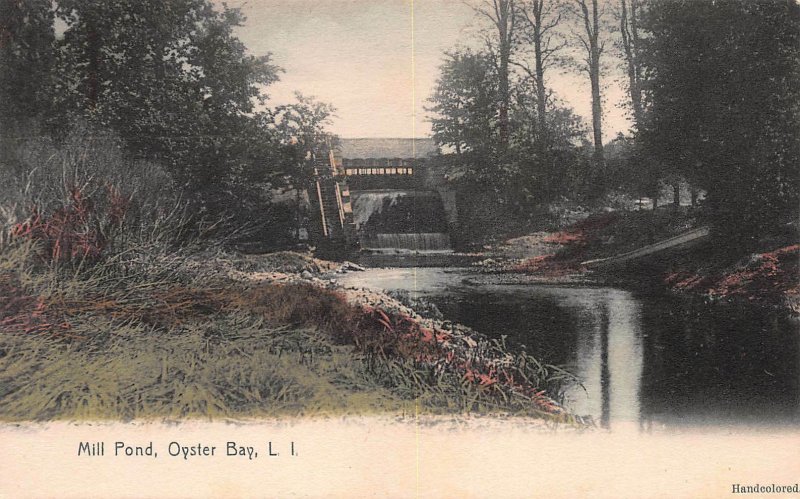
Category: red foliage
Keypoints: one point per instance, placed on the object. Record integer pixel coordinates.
(401, 336)
(582, 231)
(398, 335)
(686, 281)
(575, 239)
(568, 236)
(766, 276)
(78, 230)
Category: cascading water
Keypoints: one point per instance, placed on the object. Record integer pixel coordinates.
(368, 203)
(390, 221)
(420, 241)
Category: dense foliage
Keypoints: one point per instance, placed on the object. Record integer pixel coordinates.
(722, 97)
(714, 94)
(169, 78)
(526, 169)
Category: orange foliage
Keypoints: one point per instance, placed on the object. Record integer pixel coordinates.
(566, 237)
(575, 239)
(548, 266)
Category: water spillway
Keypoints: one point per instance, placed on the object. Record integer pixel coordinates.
(401, 220)
(419, 241)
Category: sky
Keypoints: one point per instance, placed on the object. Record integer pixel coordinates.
(377, 61)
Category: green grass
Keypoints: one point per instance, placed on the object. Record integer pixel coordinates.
(229, 367)
(234, 366)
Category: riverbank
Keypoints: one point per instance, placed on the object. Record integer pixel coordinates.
(767, 277)
(231, 336)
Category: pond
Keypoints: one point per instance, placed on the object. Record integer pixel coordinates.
(656, 361)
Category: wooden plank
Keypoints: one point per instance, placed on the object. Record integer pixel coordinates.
(685, 238)
(322, 210)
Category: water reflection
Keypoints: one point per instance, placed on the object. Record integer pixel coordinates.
(608, 356)
(642, 361)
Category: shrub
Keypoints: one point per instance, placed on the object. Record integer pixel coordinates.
(83, 199)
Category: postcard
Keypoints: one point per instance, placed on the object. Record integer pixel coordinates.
(400, 248)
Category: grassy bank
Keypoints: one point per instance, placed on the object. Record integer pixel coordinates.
(190, 336)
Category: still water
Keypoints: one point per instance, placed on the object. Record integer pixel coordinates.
(654, 361)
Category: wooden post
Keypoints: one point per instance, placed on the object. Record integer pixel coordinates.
(322, 210)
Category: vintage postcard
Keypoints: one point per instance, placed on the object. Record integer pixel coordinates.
(399, 248)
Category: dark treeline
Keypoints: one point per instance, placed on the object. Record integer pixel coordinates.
(713, 87)
(173, 86)
(713, 92)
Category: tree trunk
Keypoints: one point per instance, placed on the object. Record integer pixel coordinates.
(504, 96)
(541, 95)
(656, 193)
(505, 31)
(597, 110)
(502, 14)
(597, 113)
(591, 25)
(93, 53)
(541, 20)
(676, 194)
(630, 39)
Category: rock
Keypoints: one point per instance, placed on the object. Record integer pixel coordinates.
(350, 266)
(306, 274)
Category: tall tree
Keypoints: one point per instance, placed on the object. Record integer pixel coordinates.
(26, 58)
(305, 123)
(464, 103)
(629, 12)
(303, 127)
(26, 64)
(542, 17)
(589, 14)
(651, 173)
(504, 18)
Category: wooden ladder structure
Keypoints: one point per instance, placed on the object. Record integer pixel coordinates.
(333, 200)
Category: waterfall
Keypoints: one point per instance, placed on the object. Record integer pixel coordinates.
(420, 241)
(368, 203)
(392, 221)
